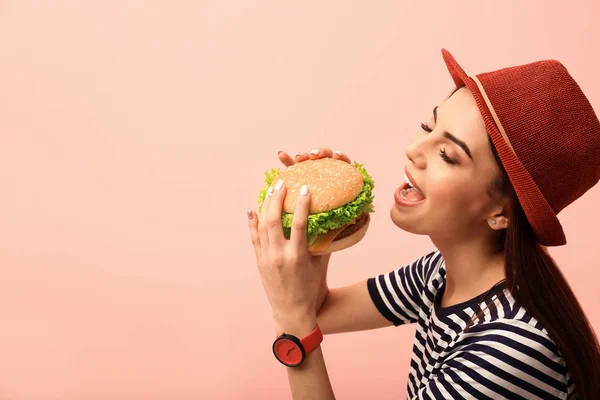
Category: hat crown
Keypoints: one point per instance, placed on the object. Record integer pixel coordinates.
(551, 126)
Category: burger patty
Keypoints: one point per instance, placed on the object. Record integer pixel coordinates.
(350, 229)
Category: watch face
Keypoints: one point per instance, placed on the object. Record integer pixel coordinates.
(288, 352)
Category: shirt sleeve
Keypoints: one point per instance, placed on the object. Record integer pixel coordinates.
(501, 360)
(398, 294)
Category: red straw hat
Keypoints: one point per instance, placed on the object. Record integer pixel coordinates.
(546, 134)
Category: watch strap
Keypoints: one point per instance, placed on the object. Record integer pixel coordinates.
(312, 340)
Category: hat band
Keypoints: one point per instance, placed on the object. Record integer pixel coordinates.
(493, 112)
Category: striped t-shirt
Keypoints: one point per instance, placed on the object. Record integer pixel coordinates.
(505, 354)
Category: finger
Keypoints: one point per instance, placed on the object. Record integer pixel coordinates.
(339, 155)
(275, 230)
(263, 233)
(300, 220)
(321, 152)
(285, 158)
(299, 157)
(254, 237)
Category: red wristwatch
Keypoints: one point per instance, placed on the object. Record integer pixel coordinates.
(291, 351)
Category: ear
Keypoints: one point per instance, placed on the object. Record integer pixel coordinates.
(497, 219)
(497, 222)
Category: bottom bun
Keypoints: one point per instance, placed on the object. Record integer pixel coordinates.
(346, 242)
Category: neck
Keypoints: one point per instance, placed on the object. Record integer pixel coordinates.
(472, 267)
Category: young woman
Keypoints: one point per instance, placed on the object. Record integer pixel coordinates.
(495, 164)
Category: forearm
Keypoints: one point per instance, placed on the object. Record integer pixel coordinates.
(309, 380)
(349, 309)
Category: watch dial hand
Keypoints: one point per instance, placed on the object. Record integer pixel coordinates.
(289, 351)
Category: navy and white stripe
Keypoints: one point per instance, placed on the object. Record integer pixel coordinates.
(505, 354)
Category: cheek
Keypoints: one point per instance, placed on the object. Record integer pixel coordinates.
(444, 191)
(462, 196)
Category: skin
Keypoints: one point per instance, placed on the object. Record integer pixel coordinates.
(457, 216)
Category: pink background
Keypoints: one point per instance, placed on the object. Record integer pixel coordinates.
(134, 135)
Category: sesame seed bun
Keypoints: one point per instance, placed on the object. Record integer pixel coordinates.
(332, 183)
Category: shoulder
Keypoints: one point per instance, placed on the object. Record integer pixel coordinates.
(404, 294)
(516, 337)
(508, 323)
(430, 267)
(516, 346)
(421, 271)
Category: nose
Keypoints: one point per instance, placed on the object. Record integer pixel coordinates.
(417, 150)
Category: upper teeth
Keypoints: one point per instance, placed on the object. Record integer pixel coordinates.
(408, 181)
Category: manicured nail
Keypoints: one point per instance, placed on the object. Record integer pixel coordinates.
(339, 153)
(249, 212)
(315, 152)
(279, 185)
(298, 155)
(270, 191)
(304, 190)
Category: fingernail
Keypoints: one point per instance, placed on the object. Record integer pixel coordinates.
(339, 153)
(279, 152)
(304, 190)
(270, 191)
(298, 155)
(315, 152)
(249, 212)
(279, 185)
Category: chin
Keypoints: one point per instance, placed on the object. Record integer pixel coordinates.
(404, 222)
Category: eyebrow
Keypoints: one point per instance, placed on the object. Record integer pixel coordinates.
(453, 138)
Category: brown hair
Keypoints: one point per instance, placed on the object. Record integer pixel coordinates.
(537, 284)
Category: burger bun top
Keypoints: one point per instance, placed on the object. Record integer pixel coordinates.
(332, 183)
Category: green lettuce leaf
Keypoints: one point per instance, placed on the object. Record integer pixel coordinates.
(321, 223)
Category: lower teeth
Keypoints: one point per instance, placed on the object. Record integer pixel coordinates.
(404, 192)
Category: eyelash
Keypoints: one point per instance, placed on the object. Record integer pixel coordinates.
(442, 151)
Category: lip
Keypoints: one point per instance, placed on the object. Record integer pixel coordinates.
(399, 200)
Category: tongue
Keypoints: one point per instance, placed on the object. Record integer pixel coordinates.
(415, 195)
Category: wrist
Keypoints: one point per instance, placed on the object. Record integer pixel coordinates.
(292, 350)
(298, 326)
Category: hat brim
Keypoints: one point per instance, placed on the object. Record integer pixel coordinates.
(541, 216)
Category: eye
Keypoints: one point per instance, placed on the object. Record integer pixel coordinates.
(425, 127)
(446, 158)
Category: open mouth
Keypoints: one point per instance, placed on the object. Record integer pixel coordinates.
(409, 193)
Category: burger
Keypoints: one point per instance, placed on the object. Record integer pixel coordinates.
(340, 203)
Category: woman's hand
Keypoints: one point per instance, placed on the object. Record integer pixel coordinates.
(315, 154)
(290, 276)
(322, 152)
